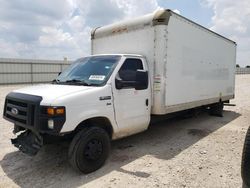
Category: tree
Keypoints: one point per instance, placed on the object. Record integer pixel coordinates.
(237, 65)
(248, 66)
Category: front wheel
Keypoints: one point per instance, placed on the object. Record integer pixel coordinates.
(89, 149)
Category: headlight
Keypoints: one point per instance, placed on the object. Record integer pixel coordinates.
(52, 119)
(51, 124)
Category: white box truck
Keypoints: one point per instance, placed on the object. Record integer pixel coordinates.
(153, 65)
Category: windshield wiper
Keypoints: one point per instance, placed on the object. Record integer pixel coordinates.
(81, 82)
(55, 81)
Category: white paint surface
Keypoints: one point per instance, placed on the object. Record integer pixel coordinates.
(189, 65)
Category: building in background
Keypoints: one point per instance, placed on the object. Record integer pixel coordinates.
(20, 71)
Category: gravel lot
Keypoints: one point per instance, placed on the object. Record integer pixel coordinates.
(201, 151)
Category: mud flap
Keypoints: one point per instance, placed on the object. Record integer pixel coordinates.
(28, 143)
(216, 109)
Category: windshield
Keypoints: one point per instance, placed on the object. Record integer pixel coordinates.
(94, 70)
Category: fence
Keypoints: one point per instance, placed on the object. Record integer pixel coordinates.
(17, 71)
(242, 70)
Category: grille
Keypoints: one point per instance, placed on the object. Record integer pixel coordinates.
(20, 112)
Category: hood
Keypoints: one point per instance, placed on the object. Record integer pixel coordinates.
(50, 92)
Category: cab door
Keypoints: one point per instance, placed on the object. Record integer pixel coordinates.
(132, 104)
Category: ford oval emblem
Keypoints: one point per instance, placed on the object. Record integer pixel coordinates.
(14, 111)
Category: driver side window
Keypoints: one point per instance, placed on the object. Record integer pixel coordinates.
(128, 70)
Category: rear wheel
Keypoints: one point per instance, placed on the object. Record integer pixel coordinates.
(89, 149)
(245, 164)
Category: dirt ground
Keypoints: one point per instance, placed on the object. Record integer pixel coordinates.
(201, 151)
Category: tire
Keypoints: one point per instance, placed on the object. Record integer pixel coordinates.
(216, 109)
(245, 163)
(89, 149)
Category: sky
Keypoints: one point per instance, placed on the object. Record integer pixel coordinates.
(45, 29)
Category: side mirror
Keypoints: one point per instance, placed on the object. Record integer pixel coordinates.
(141, 80)
(59, 73)
(118, 84)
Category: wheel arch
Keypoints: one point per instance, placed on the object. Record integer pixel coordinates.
(99, 121)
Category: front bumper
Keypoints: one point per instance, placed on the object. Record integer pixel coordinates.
(28, 143)
(31, 119)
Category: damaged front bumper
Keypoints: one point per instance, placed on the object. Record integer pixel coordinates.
(28, 142)
(31, 121)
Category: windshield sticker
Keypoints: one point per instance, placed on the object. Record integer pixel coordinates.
(107, 67)
(97, 77)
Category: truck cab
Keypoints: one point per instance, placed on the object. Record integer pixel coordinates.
(108, 95)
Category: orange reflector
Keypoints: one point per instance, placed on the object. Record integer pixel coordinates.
(55, 111)
(60, 111)
(51, 111)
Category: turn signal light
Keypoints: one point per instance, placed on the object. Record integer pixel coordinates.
(60, 111)
(50, 111)
(55, 111)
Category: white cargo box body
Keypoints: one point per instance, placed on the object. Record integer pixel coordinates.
(189, 65)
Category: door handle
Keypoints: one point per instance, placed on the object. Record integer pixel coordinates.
(146, 102)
